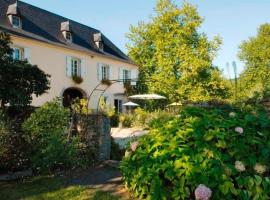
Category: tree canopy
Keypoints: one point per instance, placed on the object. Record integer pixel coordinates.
(255, 53)
(19, 80)
(175, 59)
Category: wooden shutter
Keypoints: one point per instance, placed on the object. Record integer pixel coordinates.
(26, 54)
(121, 74)
(83, 68)
(68, 66)
(110, 73)
(99, 71)
(134, 75)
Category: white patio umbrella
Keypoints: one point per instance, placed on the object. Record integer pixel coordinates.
(175, 104)
(147, 96)
(131, 104)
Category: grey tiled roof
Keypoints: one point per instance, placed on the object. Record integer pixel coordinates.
(44, 26)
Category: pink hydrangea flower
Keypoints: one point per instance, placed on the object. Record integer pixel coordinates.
(202, 192)
(133, 146)
(239, 130)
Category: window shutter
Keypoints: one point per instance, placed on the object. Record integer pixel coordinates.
(26, 54)
(134, 75)
(110, 73)
(121, 74)
(83, 68)
(68, 66)
(99, 72)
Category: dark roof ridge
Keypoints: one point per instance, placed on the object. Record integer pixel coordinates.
(57, 15)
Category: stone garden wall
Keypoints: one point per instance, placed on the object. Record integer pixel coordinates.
(96, 129)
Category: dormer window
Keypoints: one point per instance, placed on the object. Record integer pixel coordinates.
(66, 31)
(98, 41)
(68, 36)
(14, 16)
(16, 21)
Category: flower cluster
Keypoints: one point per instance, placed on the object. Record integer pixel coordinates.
(232, 114)
(260, 169)
(134, 146)
(239, 166)
(202, 192)
(239, 130)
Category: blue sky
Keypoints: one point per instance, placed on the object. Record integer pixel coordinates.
(233, 20)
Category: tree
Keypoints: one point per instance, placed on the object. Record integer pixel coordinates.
(255, 53)
(19, 80)
(174, 58)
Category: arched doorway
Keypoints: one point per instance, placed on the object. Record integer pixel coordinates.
(70, 95)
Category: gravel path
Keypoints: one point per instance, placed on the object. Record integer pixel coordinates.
(105, 177)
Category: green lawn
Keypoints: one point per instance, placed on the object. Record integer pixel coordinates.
(43, 188)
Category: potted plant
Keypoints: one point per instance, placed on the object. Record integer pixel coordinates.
(106, 82)
(77, 79)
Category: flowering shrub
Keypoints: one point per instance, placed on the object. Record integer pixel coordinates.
(202, 154)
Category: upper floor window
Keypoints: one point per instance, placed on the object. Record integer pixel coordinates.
(76, 67)
(18, 53)
(105, 72)
(16, 21)
(126, 75)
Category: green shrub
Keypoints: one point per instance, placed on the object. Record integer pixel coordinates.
(13, 148)
(46, 132)
(227, 152)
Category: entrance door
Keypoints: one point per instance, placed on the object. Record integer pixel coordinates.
(70, 95)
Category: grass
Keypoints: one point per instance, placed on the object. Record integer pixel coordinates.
(48, 188)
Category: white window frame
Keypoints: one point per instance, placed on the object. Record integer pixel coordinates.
(76, 67)
(126, 75)
(21, 53)
(68, 36)
(19, 21)
(105, 72)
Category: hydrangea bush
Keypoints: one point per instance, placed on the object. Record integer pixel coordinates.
(202, 154)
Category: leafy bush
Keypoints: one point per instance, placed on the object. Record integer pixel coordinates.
(14, 149)
(228, 153)
(46, 132)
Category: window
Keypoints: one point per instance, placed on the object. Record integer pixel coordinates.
(76, 67)
(18, 53)
(126, 75)
(118, 105)
(105, 72)
(16, 21)
(68, 36)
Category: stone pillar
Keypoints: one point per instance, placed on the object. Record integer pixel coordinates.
(97, 131)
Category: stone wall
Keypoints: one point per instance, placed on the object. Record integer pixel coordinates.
(96, 129)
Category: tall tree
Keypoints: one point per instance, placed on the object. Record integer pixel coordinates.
(255, 53)
(175, 58)
(19, 80)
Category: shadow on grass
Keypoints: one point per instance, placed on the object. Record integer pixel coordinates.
(43, 188)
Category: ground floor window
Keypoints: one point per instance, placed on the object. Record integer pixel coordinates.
(118, 105)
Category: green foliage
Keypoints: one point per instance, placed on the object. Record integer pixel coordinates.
(175, 58)
(14, 149)
(255, 53)
(46, 132)
(106, 108)
(201, 147)
(19, 80)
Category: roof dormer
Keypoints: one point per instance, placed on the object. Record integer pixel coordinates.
(98, 41)
(66, 31)
(14, 15)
